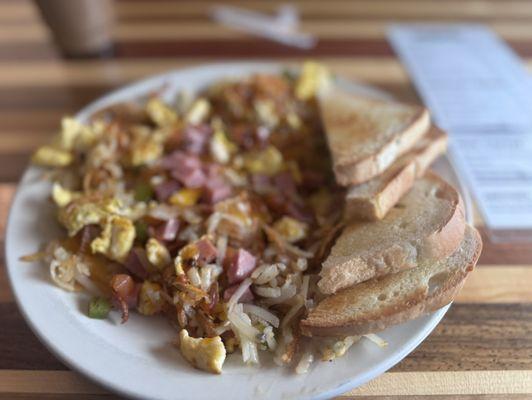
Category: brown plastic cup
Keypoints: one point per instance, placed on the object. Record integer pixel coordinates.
(81, 28)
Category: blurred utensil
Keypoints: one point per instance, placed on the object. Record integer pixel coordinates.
(283, 27)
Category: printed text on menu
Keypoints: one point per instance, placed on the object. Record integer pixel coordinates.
(478, 90)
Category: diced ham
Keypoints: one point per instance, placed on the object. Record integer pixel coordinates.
(137, 263)
(239, 264)
(167, 231)
(212, 170)
(216, 187)
(186, 168)
(247, 296)
(213, 296)
(196, 137)
(176, 158)
(207, 251)
(164, 190)
(216, 191)
(191, 178)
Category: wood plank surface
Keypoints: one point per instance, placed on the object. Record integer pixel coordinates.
(391, 383)
(484, 337)
(482, 349)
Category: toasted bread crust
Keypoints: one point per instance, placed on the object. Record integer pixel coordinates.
(446, 239)
(399, 180)
(400, 254)
(376, 208)
(354, 171)
(416, 304)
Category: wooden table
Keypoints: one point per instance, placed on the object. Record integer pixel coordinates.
(482, 348)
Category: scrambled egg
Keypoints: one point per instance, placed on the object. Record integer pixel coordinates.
(49, 156)
(116, 239)
(74, 134)
(234, 217)
(291, 229)
(85, 211)
(265, 110)
(207, 354)
(186, 255)
(338, 348)
(238, 209)
(314, 77)
(157, 254)
(293, 120)
(185, 197)
(146, 146)
(268, 161)
(150, 299)
(62, 196)
(199, 110)
(221, 147)
(160, 113)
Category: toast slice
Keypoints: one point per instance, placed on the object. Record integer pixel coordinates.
(427, 224)
(374, 305)
(366, 136)
(372, 200)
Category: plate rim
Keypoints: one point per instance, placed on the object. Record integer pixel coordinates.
(99, 378)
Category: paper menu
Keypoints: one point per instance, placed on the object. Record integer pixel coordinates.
(478, 90)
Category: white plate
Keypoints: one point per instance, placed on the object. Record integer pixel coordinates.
(137, 359)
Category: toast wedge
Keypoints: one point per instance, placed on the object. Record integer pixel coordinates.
(365, 136)
(427, 224)
(374, 305)
(372, 200)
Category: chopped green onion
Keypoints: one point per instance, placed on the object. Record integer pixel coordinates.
(99, 308)
(143, 192)
(141, 231)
